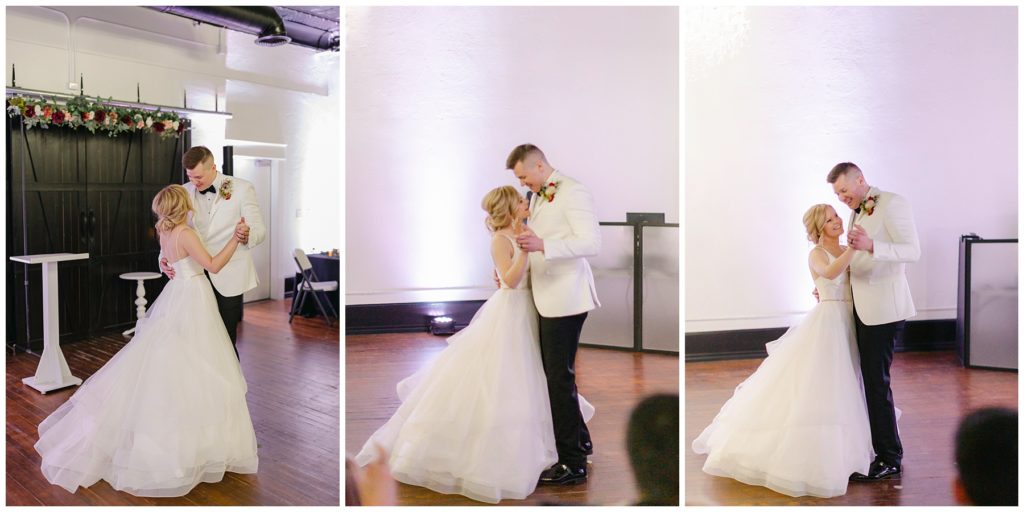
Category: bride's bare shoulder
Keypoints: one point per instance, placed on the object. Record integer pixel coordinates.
(501, 240)
(186, 233)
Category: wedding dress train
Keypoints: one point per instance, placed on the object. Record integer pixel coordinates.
(799, 424)
(167, 412)
(476, 420)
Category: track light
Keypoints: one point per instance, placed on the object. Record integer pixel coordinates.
(442, 325)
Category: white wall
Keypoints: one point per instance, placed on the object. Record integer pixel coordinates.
(923, 99)
(307, 206)
(436, 97)
(284, 95)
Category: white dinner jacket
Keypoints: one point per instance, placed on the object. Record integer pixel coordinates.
(239, 274)
(881, 293)
(561, 278)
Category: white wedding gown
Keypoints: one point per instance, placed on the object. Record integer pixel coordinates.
(799, 424)
(166, 412)
(476, 421)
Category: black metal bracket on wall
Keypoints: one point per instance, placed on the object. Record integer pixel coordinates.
(639, 221)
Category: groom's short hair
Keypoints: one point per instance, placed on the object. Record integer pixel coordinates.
(840, 170)
(520, 153)
(195, 156)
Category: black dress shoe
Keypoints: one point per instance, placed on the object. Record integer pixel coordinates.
(879, 470)
(560, 474)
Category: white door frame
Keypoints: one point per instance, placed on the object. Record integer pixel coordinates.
(268, 216)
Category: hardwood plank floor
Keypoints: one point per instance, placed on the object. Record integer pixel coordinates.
(293, 376)
(931, 388)
(614, 381)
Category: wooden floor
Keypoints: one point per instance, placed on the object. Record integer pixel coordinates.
(931, 388)
(614, 381)
(292, 372)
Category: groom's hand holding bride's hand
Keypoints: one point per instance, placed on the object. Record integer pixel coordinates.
(529, 241)
(860, 240)
(242, 231)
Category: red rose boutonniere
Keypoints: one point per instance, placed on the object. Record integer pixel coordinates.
(225, 189)
(548, 191)
(868, 205)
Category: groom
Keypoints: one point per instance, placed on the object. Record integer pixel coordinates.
(882, 230)
(225, 207)
(562, 232)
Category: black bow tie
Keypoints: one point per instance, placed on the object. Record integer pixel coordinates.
(856, 210)
(211, 188)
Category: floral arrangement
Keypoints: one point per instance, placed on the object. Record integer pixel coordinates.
(80, 111)
(868, 205)
(548, 191)
(225, 189)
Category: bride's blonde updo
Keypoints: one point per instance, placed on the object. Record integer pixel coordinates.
(814, 221)
(500, 205)
(171, 206)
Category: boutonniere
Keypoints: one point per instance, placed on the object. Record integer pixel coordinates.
(868, 204)
(548, 191)
(225, 189)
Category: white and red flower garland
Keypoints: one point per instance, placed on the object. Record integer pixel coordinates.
(81, 112)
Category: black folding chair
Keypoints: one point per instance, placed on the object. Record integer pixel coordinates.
(312, 286)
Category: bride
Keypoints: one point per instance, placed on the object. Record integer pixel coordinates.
(477, 421)
(799, 424)
(168, 410)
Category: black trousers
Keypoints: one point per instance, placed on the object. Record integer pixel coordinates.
(876, 344)
(230, 309)
(559, 340)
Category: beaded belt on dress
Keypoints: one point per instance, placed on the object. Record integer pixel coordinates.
(835, 300)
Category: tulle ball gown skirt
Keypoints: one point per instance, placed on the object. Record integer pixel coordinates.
(798, 425)
(476, 421)
(166, 413)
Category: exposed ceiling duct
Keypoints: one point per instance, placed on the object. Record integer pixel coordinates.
(266, 23)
